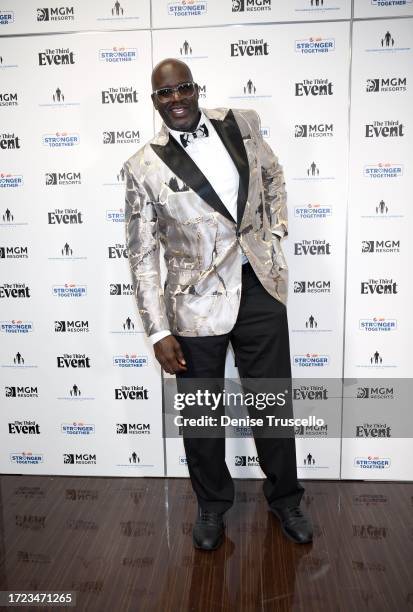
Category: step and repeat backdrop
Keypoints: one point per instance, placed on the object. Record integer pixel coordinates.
(81, 390)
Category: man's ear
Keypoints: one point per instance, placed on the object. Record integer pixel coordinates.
(154, 101)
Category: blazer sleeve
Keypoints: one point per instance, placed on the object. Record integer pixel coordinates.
(142, 242)
(274, 186)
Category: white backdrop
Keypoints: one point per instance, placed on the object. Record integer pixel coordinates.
(80, 387)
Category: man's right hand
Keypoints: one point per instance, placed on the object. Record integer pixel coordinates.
(169, 354)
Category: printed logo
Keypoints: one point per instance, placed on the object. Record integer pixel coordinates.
(380, 286)
(389, 84)
(79, 459)
(58, 98)
(121, 137)
(65, 216)
(130, 361)
(133, 428)
(118, 55)
(387, 44)
(61, 13)
(378, 324)
(77, 429)
(315, 45)
(310, 392)
(317, 286)
(26, 458)
(15, 252)
(21, 392)
(8, 99)
(16, 326)
(60, 139)
(121, 289)
(120, 95)
(312, 247)
(71, 326)
(56, 57)
(373, 430)
(383, 170)
(127, 327)
(375, 393)
(313, 130)
(384, 129)
(118, 251)
(372, 463)
(380, 246)
(249, 47)
(131, 393)
(10, 181)
(115, 216)
(66, 252)
(187, 9)
(63, 178)
(9, 140)
(69, 290)
(315, 87)
(311, 324)
(75, 394)
(6, 17)
(313, 211)
(14, 290)
(311, 360)
(73, 361)
(246, 461)
(24, 427)
(239, 6)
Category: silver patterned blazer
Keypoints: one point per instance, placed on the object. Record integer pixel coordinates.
(170, 202)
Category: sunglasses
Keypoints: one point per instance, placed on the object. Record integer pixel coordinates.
(185, 90)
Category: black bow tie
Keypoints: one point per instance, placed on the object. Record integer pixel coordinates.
(189, 137)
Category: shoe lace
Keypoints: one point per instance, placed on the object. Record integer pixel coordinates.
(210, 518)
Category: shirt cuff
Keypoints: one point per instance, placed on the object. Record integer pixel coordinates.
(159, 335)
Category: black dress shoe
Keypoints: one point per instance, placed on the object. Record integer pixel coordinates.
(208, 531)
(294, 524)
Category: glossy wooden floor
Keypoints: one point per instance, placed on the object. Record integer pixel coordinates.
(125, 544)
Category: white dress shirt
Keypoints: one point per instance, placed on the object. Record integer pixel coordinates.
(214, 161)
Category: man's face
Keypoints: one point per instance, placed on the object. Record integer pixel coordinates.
(179, 113)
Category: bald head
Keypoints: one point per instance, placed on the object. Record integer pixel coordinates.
(178, 107)
(167, 69)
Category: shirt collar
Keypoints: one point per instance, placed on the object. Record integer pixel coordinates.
(177, 134)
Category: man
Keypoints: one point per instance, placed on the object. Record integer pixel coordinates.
(211, 191)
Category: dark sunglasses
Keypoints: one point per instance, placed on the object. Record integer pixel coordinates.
(185, 90)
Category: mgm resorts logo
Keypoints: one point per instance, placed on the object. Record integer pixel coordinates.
(14, 252)
(64, 216)
(375, 393)
(239, 6)
(63, 178)
(384, 129)
(79, 459)
(246, 461)
(60, 13)
(56, 57)
(73, 361)
(383, 85)
(249, 47)
(120, 95)
(8, 99)
(380, 286)
(121, 289)
(373, 430)
(133, 428)
(71, 326)
(121, 137)
(314, 130)
(380, 246)
(131, 393)
(315, 87)
(21, 392)
(318, 286)
(312, 247)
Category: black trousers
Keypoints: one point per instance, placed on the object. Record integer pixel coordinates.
(261, 346)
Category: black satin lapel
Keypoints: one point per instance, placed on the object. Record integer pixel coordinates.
(231, 136)
(173, 155)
